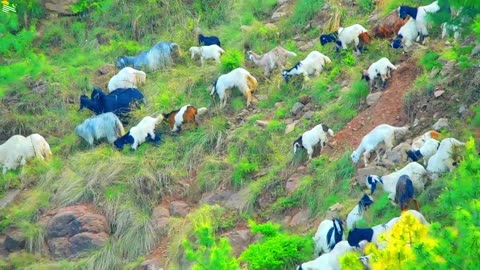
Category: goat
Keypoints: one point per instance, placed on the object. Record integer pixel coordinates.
(313, 137)
(413, 170)
(211, 40)
(405, 193)
(406, 35)
(240, 78)
(207, 52)
(345, 36)
(380, 68)
(186, 114)
(382, 133)
(419, 14)
(357, 212)
(328, 234)
(442, 161)
(420, 141)
(17, 150)
(127, 78)
(428, 149)
(145, 130)
(388, 26)
(311, 65)
(159, 56)
(106, 125)
(118, 101)
(277, 57)
(328, 261)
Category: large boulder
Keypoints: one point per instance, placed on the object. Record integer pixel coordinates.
(76, 229)
(398, 153)
(14, 239)
(239, 240)
(60, 6)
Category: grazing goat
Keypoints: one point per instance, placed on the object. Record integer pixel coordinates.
(380, 68)
(357, 212)
(443, 161)
(345, 36)
(211, 40)
(240, 78)
(207, 52)
(118, 101)
(359, 237)
(420, 141)
(413, 170)
(428, 149)
(17, 150)
(404, 193)
(389, 26)
(406, 35)
(277, 57)
(311, 65)
(328, 261)
(145, 130)
(311, 138)
(382, 133)
(106, 125)
(186, 114)
(419, 14)
(328, 234)
(159, 56)
(127, 78)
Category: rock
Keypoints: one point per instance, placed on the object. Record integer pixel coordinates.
(290, 127)
(308, 107)
(239, 240)
(106, 69)
(447, 68)
(14, 240)
(297, 107)
(475, 50)
(364, 172)
(344, 89)
(462, 110)
(398, 155)
(434, 73)
(333, 211)
(281, 2)
(278, 104)
(261, 123)
(305, 99)
(153, 264)
(438, 93)
(60, 6)
(441, 124)
(74, 230)
(308, 45)
(179, 208)
(373, 98)
(301, 218)
(277, 15)
(239, 200)
(292, 183)
(161, 215)
(308, 115)
(216, 197)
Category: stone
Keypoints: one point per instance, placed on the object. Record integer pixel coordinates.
(475, 50)
(308, 115)
(278, 104)
(86, 241)
(106, 69)
(297, 107)
(308, 107)
(60, 6)
(290, 127)
(362, 173)
(216, 197)
(152, 264)
(239, 200)
(373, 98)
(441, 124)
(161, 215)
(438, 93)
(308, 45)
(14, 239)
(333, 211)
(277, 15)
(305, 99)
(261, 123)
(179, 208)
(434, 73)
(447, 68)
(300, 218)
(463, 109)
(398, 155)
(293, 182)
(239, 240)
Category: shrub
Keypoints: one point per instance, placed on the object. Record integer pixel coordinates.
(231, 60)
(430, 61)
(366, 6)
(305, 10)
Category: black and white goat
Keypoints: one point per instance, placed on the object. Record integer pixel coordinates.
(312, 138)
(206, 41)
(311, 65)
(144, 131)
(328, 234)
(357, 212)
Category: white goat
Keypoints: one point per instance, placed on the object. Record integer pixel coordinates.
(428, 149)
(328, 234)
(17, 150)
(407, 34)
(207, 52)
(443, 161)
(420, 141)
(382, 67)
(311, 65)
(382, 133)
(328, 261)
(240, 78)
(357, 212)
(313, 137)
(277, 57)
(415, 172)
(420, 16)
(140, 133)
(105, 125)
(127, 78)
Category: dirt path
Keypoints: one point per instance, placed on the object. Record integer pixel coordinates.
(388, 110)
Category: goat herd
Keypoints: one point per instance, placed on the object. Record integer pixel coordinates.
(401, 185)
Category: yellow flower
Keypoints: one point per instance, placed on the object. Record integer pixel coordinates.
(5, 2)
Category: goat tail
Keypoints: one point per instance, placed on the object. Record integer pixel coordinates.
(327, 59)
(289, 53)
(251, 82)
(330, 131)
(392, 66)
(159, 118)
(119, 127)
(202, 111)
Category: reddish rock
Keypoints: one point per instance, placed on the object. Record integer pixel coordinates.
(293, 182)
(14, 239)
(179, 208)
(161, 215)
(239, 240)
(301, 218)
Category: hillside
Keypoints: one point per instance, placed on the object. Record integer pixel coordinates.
(230, 193)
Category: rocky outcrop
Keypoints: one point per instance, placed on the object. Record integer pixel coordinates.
(60, 6)
(74, 230)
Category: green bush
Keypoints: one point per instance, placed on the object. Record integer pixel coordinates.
(430, 61)
(366, 6)
(231, 60)
(305, 10)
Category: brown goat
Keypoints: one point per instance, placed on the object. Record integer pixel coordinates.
(186, 114)
(405, 193)
(389, 26)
